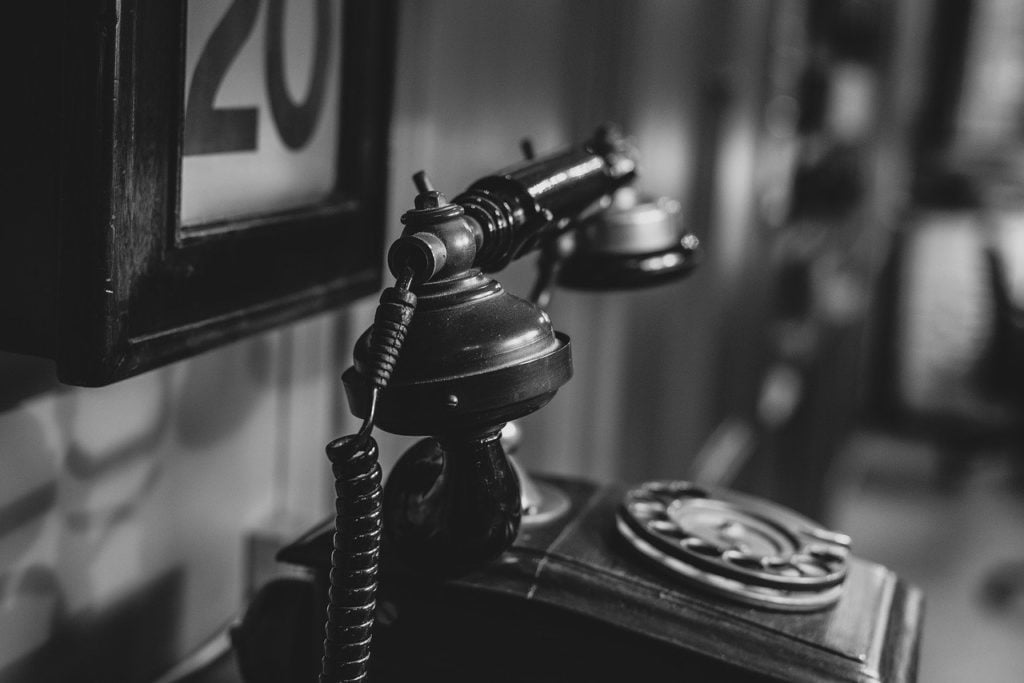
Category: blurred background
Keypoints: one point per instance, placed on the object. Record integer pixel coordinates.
(852, 346)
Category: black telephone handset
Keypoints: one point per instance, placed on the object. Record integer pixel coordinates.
(619, 584)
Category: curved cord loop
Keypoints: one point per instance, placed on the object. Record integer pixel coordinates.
(358, 518)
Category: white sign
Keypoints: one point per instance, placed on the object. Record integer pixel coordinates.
(261, 112)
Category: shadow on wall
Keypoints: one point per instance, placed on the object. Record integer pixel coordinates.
(229, 390)
(93, 566)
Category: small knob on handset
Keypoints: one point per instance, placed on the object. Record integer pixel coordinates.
(422, 183)
(438, 242)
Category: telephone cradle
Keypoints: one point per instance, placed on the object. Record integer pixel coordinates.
(450, 573)
(584, 597)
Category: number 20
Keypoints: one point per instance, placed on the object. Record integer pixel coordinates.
(209, 130)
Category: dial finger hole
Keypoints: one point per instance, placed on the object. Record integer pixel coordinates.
(646, 509)
(689, 491)
(742, 559)
(701, 547)
(663, 526)
(788, 569)
(828, 554)
(808, 566)
(665, 499)
(812, 570)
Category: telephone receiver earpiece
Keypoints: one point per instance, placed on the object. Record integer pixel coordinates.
(635, 242)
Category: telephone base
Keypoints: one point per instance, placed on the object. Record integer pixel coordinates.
(571, 600)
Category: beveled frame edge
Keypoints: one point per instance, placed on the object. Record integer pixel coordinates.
(102, 148)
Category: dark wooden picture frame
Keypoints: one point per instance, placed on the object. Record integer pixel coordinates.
(135, 292)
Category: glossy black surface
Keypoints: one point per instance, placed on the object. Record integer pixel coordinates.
(469, 326)
(475, 357)
(600, 271)
(570, 601)
(348, 630)
(452, 506)
(517, 207)
(281, 613)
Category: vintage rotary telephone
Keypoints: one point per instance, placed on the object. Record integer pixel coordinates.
(614, 584)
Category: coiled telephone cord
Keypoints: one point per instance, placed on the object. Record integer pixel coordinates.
(357, 485)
